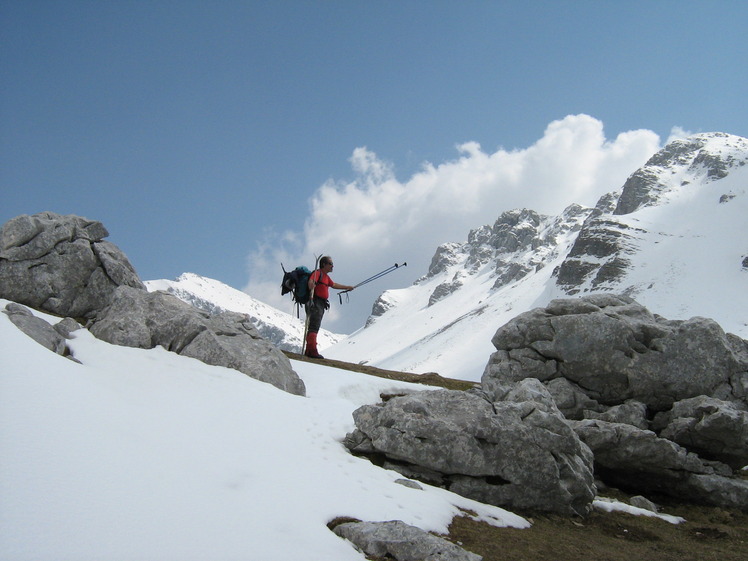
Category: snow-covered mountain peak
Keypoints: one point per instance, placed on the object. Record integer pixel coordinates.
(696, 159)
(672, 237)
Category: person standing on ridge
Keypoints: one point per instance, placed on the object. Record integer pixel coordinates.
(320, 284)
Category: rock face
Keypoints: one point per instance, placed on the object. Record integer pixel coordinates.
(613, 350)
(663, 405)
(607, 245)
(61, 264)
(402, 542)
(137, 318)
(517, 453)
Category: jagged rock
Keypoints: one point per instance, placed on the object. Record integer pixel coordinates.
(639, 460)
(447, 288)
(445, 256)
(646, 185)
(608, 243)
(569, 398)
(517, 454)
(515, 229)
(401, 541)
(60, 264)
(137, 318)
(712, 428)
(613, 349)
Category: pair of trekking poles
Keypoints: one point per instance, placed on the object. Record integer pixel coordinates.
(340, 295)
(371, 278)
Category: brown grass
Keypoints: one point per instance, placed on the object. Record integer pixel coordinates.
(709, 534)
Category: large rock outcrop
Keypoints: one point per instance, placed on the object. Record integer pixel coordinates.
(137, 318)
(61, 264)
(662, 404)
(516, 453)
(612, 349)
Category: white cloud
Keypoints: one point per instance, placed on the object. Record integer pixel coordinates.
(678, 133)
(376, 220)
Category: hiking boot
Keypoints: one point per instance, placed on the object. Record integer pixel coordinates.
(311, 345)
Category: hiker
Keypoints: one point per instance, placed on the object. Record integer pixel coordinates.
(320, 284)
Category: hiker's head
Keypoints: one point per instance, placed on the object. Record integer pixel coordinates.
(326, 263)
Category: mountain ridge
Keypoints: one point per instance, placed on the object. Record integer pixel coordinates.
(677, 249)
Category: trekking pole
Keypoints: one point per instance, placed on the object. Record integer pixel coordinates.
(372, 278)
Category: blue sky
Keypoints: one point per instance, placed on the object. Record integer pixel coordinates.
(220, 137)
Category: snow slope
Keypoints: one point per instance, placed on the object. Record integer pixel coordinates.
(147, 455)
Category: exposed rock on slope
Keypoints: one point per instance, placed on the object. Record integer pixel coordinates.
(284, 330)
(517, 452)
(656, 405)
(662, 404)
(60, 264)
(137, 318)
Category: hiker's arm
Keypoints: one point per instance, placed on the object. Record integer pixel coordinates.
(337, 286)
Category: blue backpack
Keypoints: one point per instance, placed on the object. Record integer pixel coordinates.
(297, 283)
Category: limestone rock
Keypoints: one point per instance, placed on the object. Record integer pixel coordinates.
(36, 328)
(61, 264)
(517, 454)
(713, 428)
(402, 542)
(137, 318)
(613, 349)
(638, 459)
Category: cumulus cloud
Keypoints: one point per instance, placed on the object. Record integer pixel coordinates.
(678, 133)
(375, 220)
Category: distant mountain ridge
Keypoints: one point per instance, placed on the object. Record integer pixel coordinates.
(673, 237)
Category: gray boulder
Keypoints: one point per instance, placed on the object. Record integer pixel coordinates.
(614, 369)
(639, 460)
(517, 454)
(612, 349)
(712, 428)
(61, 264)
(36, 328)
(137, 318)
(402, 542)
